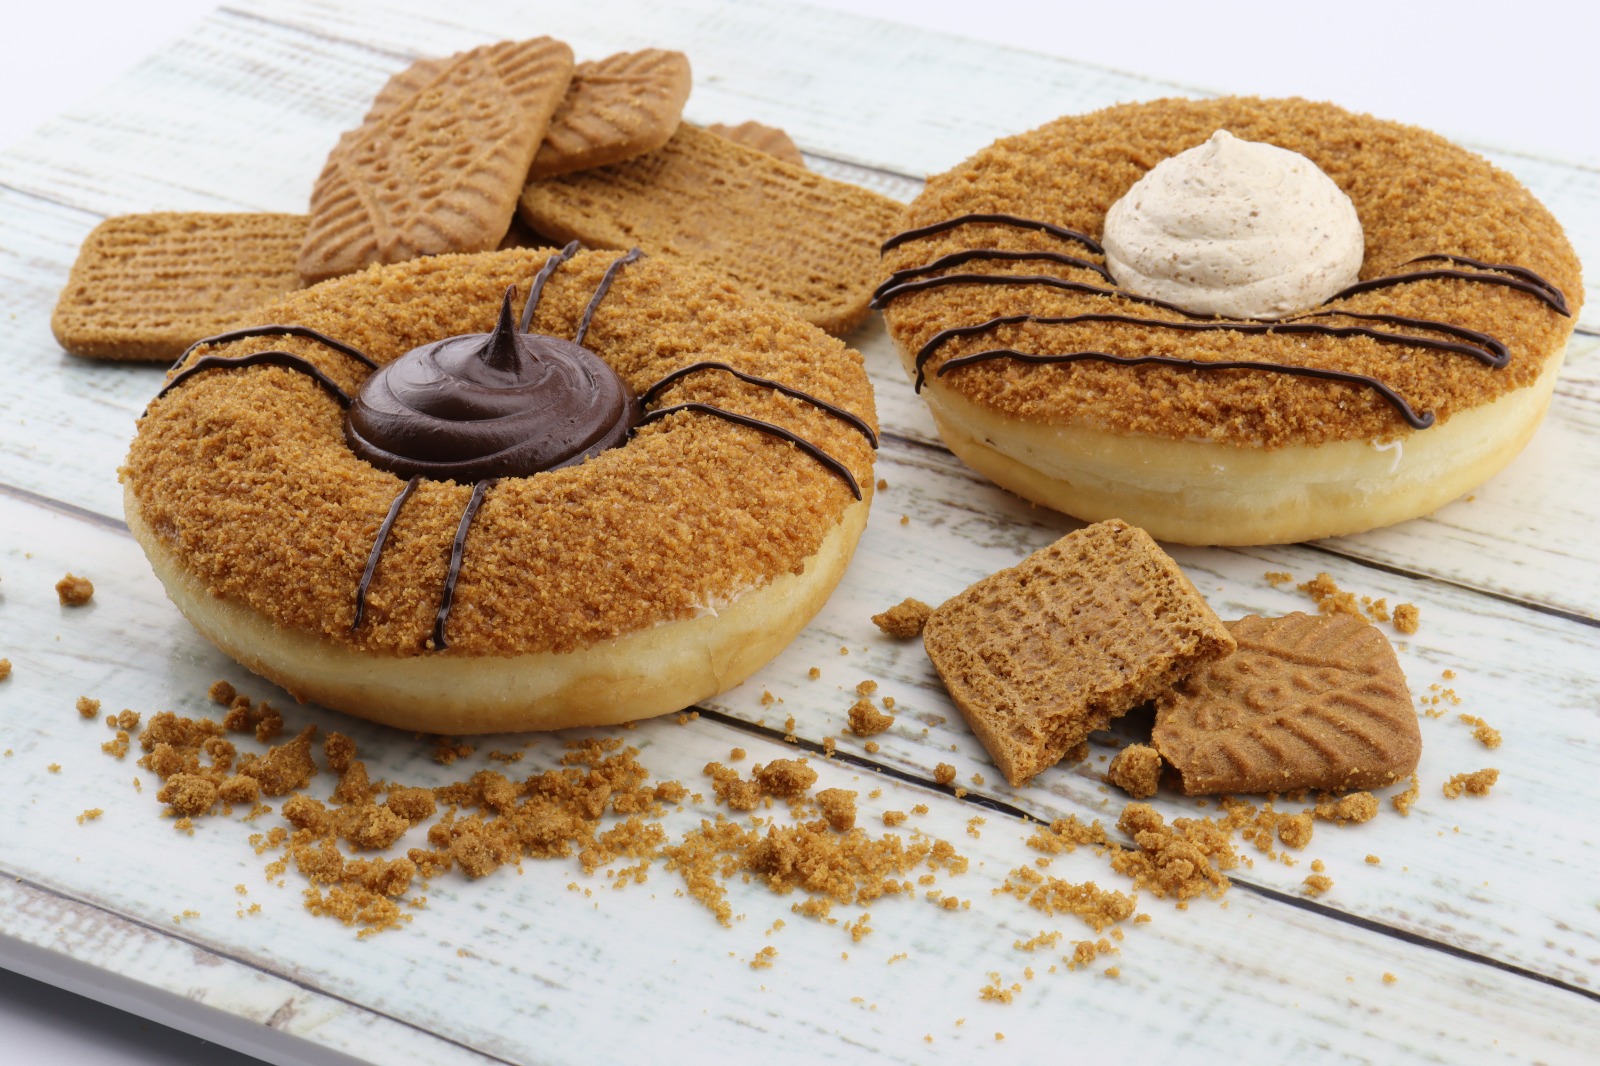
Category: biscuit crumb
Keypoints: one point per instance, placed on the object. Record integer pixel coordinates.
(904, 620)
(1354, 809)
(814, 673)
(88, 708)
(90, 815)
(944, 773)
(838, 807)
(1278, 578)
(1373, 860)
(1477, 783)
(866, 720)
(74, 591)
(1406, 617)
(1482, 732)
(1136, 770)
(1316, 884)
(5, 669)
(866, 688)
(1389, 978)
(1404, 801)
(221, 692)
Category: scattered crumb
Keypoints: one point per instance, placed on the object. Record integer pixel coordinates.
(1278, 578)
(1316, 884)
(5, 669)
(1477, 783)
(944, 773)
(1136, 770)
(74, 591)
(90, 815)
(1406, 616)
(1389, 978)
(838, 807)
(866, 688)
(88, 708)
(814, 673)
(866, 720)
(905, 619)
(1404, 801)
(1482, 732)
(1373, 860)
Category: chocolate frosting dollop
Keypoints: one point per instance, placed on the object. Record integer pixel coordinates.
(490, 405)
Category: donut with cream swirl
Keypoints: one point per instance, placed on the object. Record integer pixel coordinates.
(490, 405)
(1387, 400)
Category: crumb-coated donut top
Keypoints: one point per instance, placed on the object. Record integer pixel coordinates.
(244, 473)
(1417, 195)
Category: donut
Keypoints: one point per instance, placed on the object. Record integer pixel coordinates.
(1397, 394)
(394, 497)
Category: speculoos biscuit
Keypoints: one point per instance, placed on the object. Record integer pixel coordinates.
(145, 287)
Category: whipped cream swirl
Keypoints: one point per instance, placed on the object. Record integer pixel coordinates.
(1235, 228)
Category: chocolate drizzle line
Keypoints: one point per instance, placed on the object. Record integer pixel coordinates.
(377, 548)
(994, 219)
(458, 548)
(600, 293)
(1416, 421)
(1026, 279)
(272, 331)
(1498, 354)
(766, 427)
(1553, 296)
(1482, 355)
(1542, 290)
(957, 258)
(838, 412)
(536, 290)
(286, 360)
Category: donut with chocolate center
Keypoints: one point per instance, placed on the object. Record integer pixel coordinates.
(634, 581)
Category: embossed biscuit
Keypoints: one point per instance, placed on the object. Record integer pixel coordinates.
(1306, 702)
(768, 139)
(616, 108)
(437, 165)
(804, 240)
(1038, 656)
(144, 287)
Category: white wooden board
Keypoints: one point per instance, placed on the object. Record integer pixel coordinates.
(1484, 909)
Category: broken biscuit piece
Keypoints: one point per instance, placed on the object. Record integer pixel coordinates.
(1038, 656)
(1308, 701)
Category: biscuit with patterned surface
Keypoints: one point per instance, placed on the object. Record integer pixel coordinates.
(768, 139)
(438, 163)
(803, 240)
(1306, 702)
(144, 287)
(1038, 656)
(616, 108)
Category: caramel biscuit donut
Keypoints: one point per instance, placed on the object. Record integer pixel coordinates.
(1395, 396)
(392, 564)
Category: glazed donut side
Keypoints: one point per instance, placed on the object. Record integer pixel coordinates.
(1205, 492)
(261, 520)
(1229, 456)
(655, 671)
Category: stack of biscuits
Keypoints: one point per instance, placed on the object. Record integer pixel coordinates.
(510, 143)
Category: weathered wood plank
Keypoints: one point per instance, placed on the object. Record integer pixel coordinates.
(508, 965)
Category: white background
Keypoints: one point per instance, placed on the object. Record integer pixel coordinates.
(1508, 74)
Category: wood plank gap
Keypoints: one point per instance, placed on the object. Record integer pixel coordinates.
(70, 510)
(1415, 939)
(1502, 597)
(1299, 902)
(904, 776)
(286, 977)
